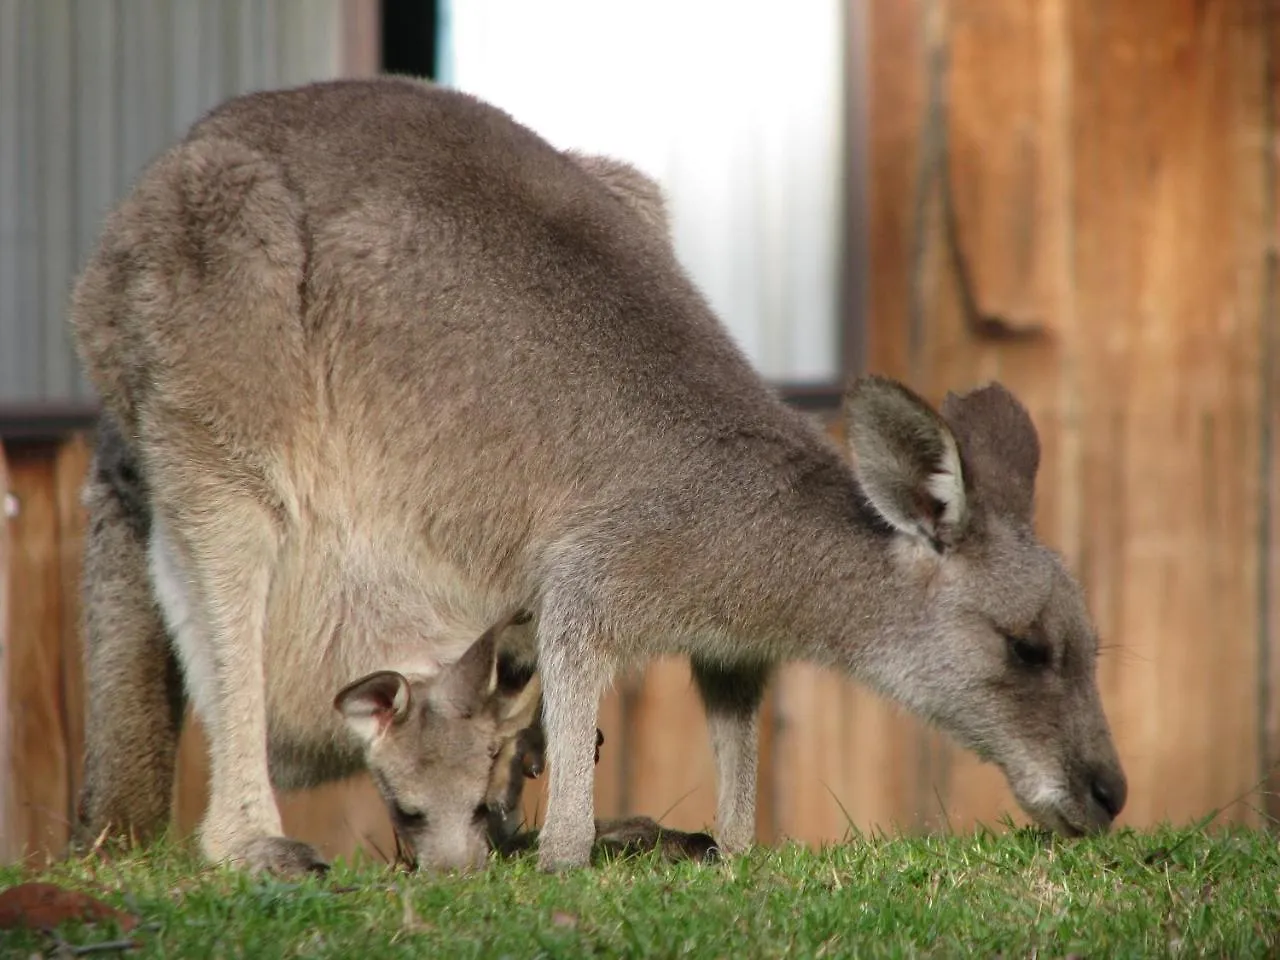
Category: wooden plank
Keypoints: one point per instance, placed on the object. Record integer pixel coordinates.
(39, 757)
(8, 846)
(672, 775)
(344, 819)
(1269, 529)
(1167, 255)
(998, 235)
(191, 776)
(70, 469)
(767, 792)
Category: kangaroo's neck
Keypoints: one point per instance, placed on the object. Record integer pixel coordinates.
(791, 562)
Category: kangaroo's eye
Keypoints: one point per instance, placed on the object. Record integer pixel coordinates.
(1029, 653)
(407, 819)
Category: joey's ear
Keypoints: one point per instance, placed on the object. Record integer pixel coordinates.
(463, 687)
(517, 709)
(373, 703)
(907, 460)
(1001, 446)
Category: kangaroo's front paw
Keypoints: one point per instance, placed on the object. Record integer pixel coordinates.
(279, 856)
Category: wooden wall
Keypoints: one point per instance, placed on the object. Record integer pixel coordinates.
(1078, 198)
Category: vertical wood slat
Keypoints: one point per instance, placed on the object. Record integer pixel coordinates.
(9, 846)
(1003, 162)
(37, 723)
(1169, 244)
(1269, 530)
(70, 467)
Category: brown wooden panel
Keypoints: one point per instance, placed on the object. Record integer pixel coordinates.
(1267, 22)
(1003, 259)
(672, 776)
(70, 469)
(8, 846)
(39, 757)
(342, 819)
(1168, 218)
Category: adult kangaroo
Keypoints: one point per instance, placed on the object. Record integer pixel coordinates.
(396, 366)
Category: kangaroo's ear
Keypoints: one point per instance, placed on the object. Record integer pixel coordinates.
(907, 460)
(373, 703)
(1001, 447)
(464, 687)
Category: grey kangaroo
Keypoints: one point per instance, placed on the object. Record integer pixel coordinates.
(395, 366)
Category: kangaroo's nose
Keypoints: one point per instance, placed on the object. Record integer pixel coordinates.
(1110, 790)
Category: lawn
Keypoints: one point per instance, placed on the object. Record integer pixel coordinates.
(1011, 893)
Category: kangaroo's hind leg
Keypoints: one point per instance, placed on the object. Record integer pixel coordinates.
(134, 688)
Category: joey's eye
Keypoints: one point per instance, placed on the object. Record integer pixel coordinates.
(1029, 653)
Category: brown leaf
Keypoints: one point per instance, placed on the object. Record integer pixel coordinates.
(562, 919)
(43, 906)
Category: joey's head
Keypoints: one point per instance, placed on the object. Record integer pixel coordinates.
(994, 642)
(432, 747)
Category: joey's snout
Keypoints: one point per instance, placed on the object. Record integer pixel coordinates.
(460, 851)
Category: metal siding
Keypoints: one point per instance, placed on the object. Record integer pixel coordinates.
(28, 344)
(56, 180)
(90, 92)
(95, 92)
(10, 357)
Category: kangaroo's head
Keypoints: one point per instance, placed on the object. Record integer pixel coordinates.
(994, 641)
(432, 747)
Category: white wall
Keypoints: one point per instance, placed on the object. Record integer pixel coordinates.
(735, 106)
(90, 91)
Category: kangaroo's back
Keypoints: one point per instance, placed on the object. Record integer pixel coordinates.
(400, 283)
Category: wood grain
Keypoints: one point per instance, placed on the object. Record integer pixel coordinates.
(1170, 241)
(70, 468)
(8, 844)
(36, 710)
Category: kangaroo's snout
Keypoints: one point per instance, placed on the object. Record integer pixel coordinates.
(1108, 790)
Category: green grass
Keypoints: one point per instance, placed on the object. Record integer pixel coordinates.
(1015, 894)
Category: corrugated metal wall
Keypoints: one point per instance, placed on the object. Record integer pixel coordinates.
(90, 90)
